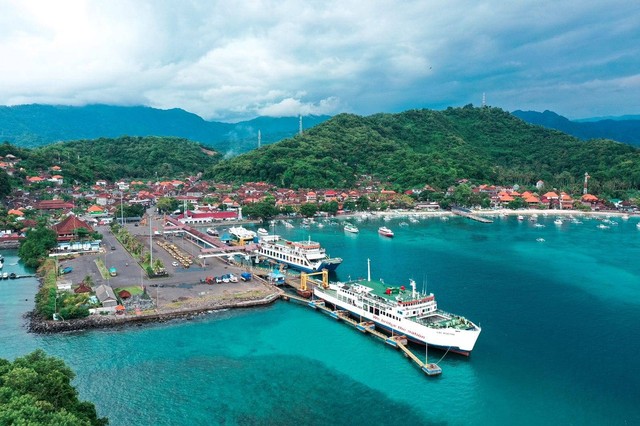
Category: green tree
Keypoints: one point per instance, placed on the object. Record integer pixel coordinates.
(5, 184)
(36, 246)
(308, 209)
(331, 207)
(264, 210)
(36, 390)
(167, 205)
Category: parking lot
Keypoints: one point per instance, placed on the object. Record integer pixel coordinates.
(180, 284)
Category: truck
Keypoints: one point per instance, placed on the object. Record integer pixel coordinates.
(113, 271)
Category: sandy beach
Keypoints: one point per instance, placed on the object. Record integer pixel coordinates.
(497, 212)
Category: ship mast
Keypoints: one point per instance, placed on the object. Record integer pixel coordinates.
(368, 270)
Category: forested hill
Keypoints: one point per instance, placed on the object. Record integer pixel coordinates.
(86, 161)
(37, 125)
(627, 131)
(420, 147)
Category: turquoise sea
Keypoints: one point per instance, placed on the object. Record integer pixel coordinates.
(560, 339)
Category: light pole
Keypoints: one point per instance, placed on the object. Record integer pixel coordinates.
(121, 209)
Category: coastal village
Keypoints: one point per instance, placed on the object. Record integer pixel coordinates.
(163, 230)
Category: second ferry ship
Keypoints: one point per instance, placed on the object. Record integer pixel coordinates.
(306, 256)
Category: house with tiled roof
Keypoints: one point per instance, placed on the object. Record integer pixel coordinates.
(96, 210)
(57, 179)
(54, 205)
(311, 197)
(67, 230)
(566, 202)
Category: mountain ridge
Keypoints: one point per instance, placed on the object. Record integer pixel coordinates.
(621, 130)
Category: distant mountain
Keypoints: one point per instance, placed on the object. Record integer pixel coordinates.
(627, 131)
(418, 147)
(36, 125)
(609, 117)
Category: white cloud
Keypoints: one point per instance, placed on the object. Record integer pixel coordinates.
(227, 60)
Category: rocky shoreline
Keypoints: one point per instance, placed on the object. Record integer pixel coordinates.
(42, 326)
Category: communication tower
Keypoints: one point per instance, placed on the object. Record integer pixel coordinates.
(300, 125)
(259, 138)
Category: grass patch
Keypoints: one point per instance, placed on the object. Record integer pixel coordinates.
(102, 268)
(134, 290)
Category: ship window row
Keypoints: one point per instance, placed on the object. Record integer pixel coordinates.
(386, 314)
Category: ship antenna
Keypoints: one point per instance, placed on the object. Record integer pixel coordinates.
(413, 289)
(369, 270)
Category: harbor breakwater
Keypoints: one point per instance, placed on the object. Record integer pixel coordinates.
(37, 324)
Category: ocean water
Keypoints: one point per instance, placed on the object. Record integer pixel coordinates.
(559, 343)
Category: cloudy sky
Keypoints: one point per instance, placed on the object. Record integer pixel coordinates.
(232, 60)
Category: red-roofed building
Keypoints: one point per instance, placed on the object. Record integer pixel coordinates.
(67, 230)
(54, 205)
(566, 202)
(311, 197)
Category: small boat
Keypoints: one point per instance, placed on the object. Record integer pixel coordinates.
(5, 275)
(539, 225)
(351, 228)
(212, 231)
(520, 217)
(404, 224)
(638, 225)
(540, 240)
(385, 232)
(13, 276)
(558, 221)
(603, 226)
(262, 232)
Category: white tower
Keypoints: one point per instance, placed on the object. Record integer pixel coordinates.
(586, 180)
(300, 125)
(484, 99)
(259, 138)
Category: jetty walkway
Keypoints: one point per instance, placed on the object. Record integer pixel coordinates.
(399, 342)
(469, 215)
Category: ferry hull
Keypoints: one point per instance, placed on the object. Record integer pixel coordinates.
(453, 340)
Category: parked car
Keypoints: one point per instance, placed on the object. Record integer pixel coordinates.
(218, 280)
(245, 276)
(176, 264)
(113, 247)
(233, 278)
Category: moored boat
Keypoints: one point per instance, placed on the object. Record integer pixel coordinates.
(351, 228)
(402, 311)
(262, 232)
(384, 231)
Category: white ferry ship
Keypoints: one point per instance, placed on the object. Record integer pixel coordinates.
(306, 256)
(403, 311)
